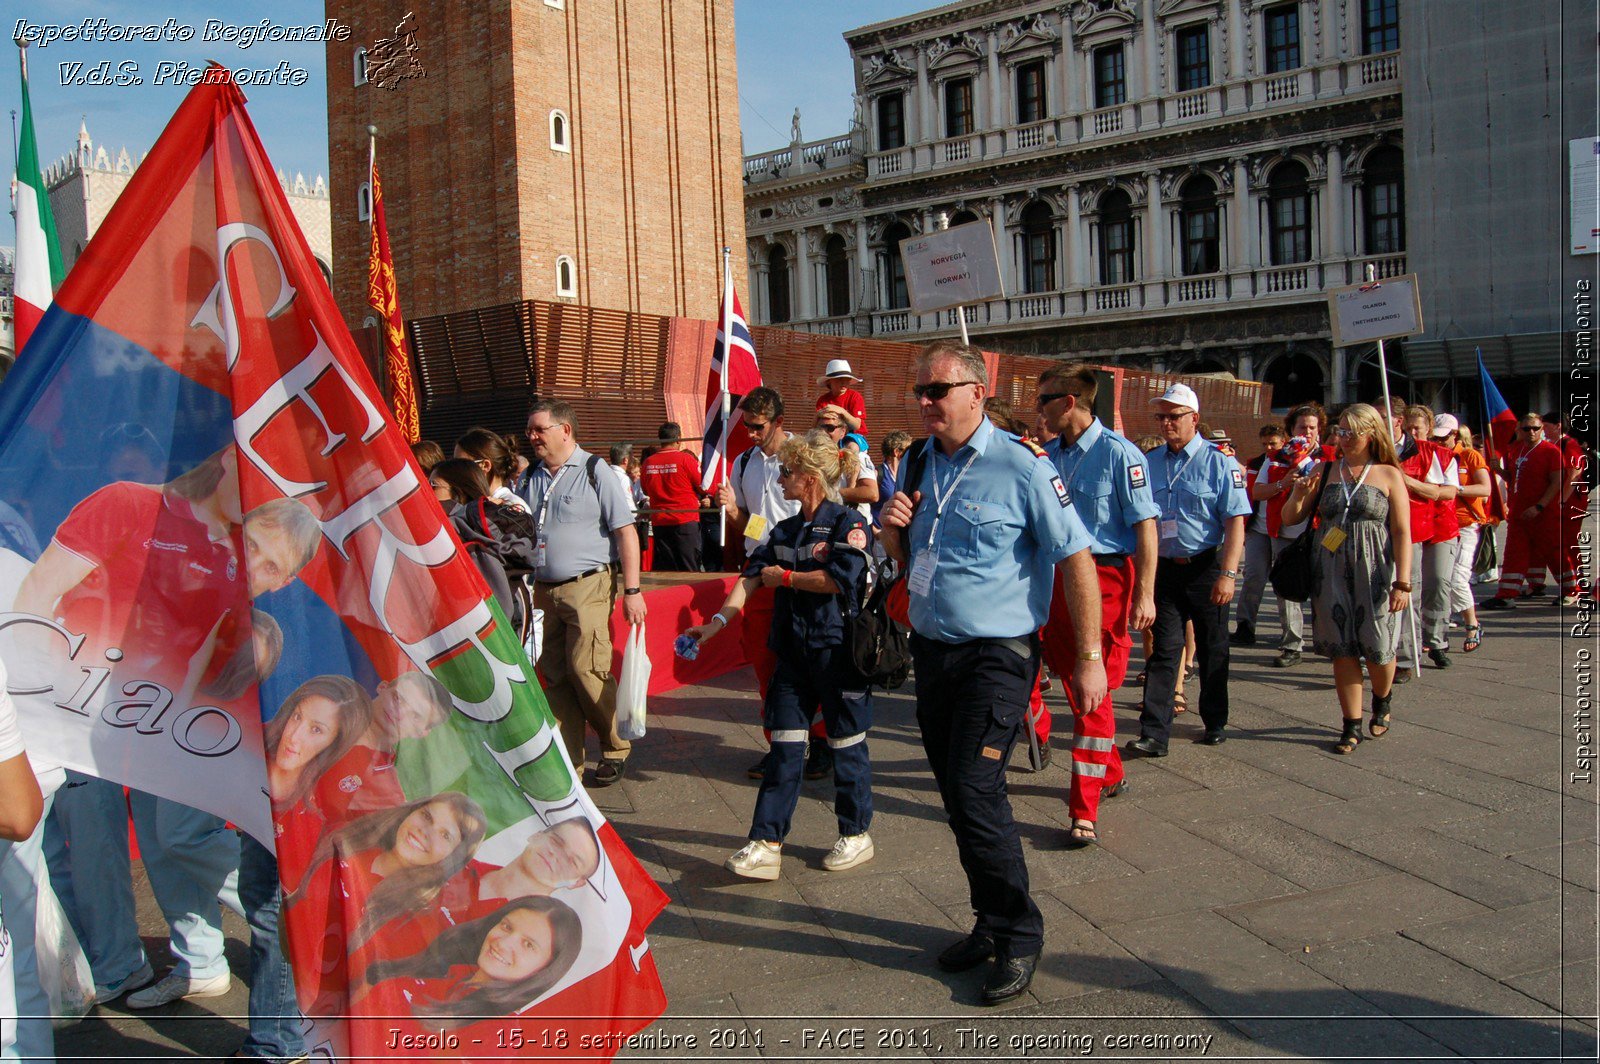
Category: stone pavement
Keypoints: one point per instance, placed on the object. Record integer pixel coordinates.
(1430, 896)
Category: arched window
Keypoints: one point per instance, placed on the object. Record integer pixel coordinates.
(1383, 201)
(777, 285)
(836, 262)
(1116, 238)
(962, 218)
(559, 140)
(1198, 223)
(895, 293)
(566, 277)
(1289, 214)
(359, 64)
(364, 202)
(1038, 248)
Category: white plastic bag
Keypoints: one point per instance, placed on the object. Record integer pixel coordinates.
(633, 684)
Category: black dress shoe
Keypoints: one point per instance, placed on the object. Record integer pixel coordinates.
(1243, 636)
(1212, 737)
(758, 771)
(1441, 660)
(1142, 747)
(968, 953)
(1010, 977)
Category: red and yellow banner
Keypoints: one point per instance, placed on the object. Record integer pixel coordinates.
(384, 297)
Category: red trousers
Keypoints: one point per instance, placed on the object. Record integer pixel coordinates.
(1535, 545)
(1096, 762)
(757, 616)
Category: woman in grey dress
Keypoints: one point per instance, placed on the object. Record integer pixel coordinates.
(1363, 539)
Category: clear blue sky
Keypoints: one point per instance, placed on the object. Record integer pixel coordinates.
(791, 54)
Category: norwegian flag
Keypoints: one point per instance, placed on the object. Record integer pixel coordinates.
(731, 379)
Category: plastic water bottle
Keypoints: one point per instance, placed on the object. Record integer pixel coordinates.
(686, 647)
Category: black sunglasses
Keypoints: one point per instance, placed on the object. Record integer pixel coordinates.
(937, 390)
(785, 471)
(1049, 397)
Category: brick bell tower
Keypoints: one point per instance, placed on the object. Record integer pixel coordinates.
(579, 151)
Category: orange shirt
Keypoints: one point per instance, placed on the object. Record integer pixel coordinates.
(1470, 511)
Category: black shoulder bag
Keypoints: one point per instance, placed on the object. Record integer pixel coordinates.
(1292, 573)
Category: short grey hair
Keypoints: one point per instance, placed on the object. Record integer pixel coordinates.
(968, 356)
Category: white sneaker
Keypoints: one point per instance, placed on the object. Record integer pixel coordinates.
(758, 860)
(848, 852)
(141, 976)
(176, 986)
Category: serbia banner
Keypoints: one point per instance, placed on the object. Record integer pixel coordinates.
(223, 580)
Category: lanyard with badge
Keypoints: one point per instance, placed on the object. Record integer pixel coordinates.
(920, 582)
(539, 552)
(1334, 535)
(1169, 519)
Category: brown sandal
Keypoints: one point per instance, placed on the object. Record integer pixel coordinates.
(1081, 834)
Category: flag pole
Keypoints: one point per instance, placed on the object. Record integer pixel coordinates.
(723, 396)
(1413, 619)
(372, 164)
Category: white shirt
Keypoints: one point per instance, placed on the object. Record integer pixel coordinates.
(866, 472)
(627, 485)
(756, 491)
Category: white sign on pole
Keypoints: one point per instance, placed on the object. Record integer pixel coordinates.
(1378, 310)
(951, 267)
(1583, 168)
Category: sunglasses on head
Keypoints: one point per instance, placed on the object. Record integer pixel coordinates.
(937, 390)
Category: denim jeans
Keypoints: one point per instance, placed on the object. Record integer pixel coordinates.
(20, 863)
(92, 815)
(276, 1027)
(192, 860)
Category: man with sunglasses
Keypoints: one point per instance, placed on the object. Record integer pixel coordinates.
(1109, 484)
(1537, 472)
(982, 522)
(1201, 497)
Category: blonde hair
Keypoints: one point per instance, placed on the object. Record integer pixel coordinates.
(1365, 419)
(1464, 437)
(816, 453)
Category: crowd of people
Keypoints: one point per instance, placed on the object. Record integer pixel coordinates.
(1012, 552)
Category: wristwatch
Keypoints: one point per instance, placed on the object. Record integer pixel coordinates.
(1231, 574)
(632, 591)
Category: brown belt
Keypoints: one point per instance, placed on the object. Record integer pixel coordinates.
(571, 579)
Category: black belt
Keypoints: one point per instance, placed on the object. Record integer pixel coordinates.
(1022, 646)
(1116, 560)
(572, 579)
(1203, 556)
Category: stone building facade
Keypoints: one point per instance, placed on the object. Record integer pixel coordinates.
(550, 150)
(85, 183)
(1170, 183)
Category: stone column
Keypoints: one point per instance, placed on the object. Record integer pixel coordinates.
(1157, 236)
(926, 112)
(1233, 79)
(1334, 244)
(1003, 245)
(1332, 39)
(1338, 387)
(1242, 230)
(866, 290)
(1151, 82)
(1077, 240)
(999, 90)
(1072, 60)
(804, 306)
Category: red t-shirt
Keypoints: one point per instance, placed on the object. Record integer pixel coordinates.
(362, 781)
(671, 479)
(853, 403)
(159, 582)
(1530, 470)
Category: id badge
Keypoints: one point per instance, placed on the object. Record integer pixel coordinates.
(920, 582)
(1333, 537)
(539, 553)
(1169, 529)
(755, 527)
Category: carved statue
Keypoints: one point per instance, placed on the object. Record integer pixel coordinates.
(794, 126)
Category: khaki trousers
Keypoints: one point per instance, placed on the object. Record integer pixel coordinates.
(575, 662)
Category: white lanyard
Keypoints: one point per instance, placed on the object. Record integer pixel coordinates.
(939, 498)
(1173, 478)
(1516, 479)
(1350, 492)
(544, 500)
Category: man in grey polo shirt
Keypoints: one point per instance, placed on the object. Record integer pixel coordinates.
(583, 529)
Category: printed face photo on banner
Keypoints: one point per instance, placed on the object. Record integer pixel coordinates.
(243, 596)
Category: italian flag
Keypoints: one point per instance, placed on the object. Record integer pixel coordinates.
(38, 265)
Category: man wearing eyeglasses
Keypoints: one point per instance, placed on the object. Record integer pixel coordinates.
(1201, 496)
(753, 500)
(1109, 484)
(1537, 472)
(983, 523)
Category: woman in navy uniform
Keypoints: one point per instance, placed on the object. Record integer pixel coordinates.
(817, 561)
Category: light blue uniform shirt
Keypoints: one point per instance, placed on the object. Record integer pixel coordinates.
(1199, 488)
(1109, 485)
(1006, 522)
(574, 519)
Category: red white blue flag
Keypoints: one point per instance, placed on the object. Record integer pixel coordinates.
(734, 372)
(224, 580)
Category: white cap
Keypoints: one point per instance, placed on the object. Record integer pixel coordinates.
(1179, 395)
(838, 367)
(1444, 425)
